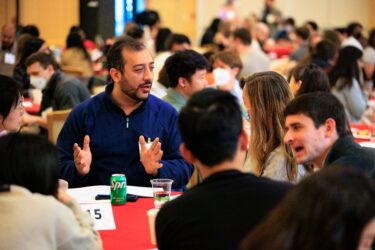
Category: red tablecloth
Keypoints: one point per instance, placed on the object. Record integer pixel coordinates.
(30, 107)
(360, 127)
(279, 50)
(132, 230)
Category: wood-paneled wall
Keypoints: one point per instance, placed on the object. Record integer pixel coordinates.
(7, 11)
(371, 14)
(178, 15)
(53, 17)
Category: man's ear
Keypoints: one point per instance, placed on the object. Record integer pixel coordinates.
(244, 140)
(299, 84)
(189, 157)
(235, 71)
(182, 82)
(115, 74)
(50, 68)
(330, 127)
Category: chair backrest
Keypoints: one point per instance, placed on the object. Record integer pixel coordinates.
(55, 122)
(73, 71)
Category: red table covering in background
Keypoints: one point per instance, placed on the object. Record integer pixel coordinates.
(31, 108)
(280, 50)
(359, 126)
(132, 229)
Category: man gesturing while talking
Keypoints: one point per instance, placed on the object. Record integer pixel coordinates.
(107, 134)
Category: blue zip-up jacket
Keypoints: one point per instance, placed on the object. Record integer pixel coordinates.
(114, 142)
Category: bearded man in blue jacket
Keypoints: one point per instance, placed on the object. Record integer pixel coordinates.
(124, 129)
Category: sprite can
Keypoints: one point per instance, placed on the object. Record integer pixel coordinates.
(118, 189)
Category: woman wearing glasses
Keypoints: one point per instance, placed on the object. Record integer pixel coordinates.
(11, 105)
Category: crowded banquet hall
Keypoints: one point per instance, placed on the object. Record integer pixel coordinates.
(187, 124)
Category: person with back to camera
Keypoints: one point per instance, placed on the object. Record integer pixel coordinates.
(308, 78)
(332, 209)
(346, 83)
(11, 105)
(107, 134)
(34, 212)
(217, 213)
(265, 96)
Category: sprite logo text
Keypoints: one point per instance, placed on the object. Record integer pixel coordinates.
(115, 184)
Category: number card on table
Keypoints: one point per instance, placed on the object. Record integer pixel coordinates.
(101, 213)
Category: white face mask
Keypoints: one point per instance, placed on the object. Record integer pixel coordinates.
(38, 82)
(221, 76)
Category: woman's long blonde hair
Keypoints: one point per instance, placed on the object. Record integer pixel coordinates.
(268, 93)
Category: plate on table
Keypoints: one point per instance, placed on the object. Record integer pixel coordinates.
(361, 133)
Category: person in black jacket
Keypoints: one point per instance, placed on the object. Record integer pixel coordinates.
(318, 133)
(217, 213)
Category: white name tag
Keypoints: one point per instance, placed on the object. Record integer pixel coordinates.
(101, 213)
(9, 58)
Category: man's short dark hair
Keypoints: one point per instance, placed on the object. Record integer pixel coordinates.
(303, 32)
(147, 17)
(325, 50)
(43, 59)
(136, 32)
(210, 125)
(313, 25)
(319, 106)
(30, 29)
(184, 64)
(243, 35)
(176, 38)
(114, 57)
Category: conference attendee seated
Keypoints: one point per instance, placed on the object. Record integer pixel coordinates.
(347, 83)
(173, 43)
(308, 78)
(253, 60)
(302, 40)
(11, 105)
(217, 213)
(76, 58)
(34, 212)
(59, 91)
(332, 209)
(227, 66)
(26, 45)
(266, 94)
(186, 71)
(317, 132)
(7, 49)
(124, 129)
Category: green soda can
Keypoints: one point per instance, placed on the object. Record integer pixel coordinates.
(118, 189)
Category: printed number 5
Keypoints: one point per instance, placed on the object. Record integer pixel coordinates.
(97, 214)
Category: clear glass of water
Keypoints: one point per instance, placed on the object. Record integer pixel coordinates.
(162, 191)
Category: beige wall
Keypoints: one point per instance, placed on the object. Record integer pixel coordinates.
(178, 15)
(328, 13)
(371, 13)
(7, 11)
(53, 17)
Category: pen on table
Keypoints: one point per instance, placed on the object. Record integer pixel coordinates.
(102, 197)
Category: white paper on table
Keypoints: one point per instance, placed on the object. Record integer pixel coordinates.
(87, 194)
(101, 213)
(140, 191)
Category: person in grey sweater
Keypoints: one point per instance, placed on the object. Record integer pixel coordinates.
(346, 85)
(36, 213)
